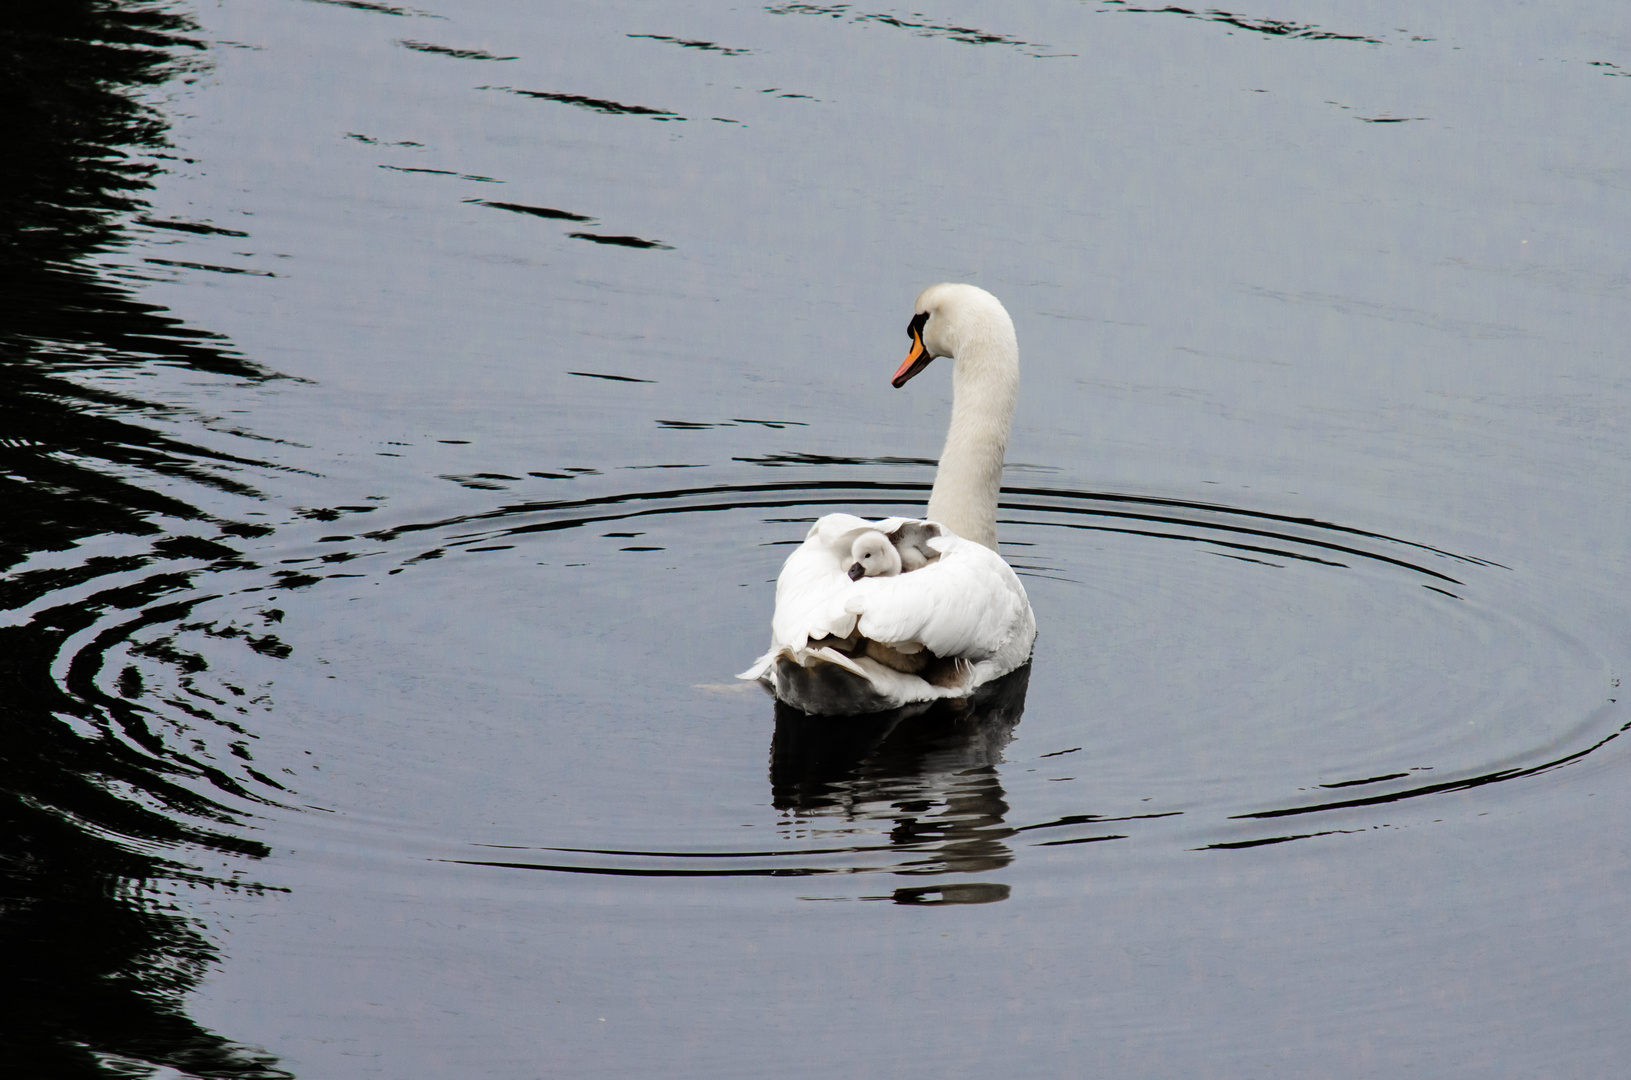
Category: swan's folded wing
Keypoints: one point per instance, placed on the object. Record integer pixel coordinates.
(967, 604)
(812, 584)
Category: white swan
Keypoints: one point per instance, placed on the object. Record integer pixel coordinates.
(952, 616)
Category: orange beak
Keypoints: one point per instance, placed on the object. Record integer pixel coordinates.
(917, 358)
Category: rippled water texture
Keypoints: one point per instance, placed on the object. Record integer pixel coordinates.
(406, 410)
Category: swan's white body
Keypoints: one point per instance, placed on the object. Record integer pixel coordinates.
(957, 617)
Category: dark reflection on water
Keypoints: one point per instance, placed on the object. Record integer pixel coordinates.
(1228, 528)
(1416, 791)
(931, 770)
(98, 951)
(599, 105)
(1272, 27)
(917, 24)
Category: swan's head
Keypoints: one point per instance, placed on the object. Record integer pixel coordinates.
(872, 555)
(948, 317)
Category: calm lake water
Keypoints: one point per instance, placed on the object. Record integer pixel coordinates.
(407, 410)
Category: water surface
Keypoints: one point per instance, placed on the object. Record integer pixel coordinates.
(408, 410)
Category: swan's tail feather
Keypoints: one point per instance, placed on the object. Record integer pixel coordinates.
(759, 668)
(827, 681)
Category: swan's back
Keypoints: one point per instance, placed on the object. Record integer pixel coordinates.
(841, 646)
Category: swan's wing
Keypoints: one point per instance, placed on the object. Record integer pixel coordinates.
(967, 603)
(813, 586)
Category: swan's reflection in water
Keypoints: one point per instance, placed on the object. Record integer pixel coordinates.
(930, 770)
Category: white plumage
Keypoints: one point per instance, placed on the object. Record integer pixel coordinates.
(956, 617)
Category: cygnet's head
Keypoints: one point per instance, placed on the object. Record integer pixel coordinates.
(873, 556)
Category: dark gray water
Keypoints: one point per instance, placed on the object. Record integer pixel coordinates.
(407, 410)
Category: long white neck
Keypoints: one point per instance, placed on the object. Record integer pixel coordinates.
(985, 389)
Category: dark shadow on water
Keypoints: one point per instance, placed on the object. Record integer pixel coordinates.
(931, 770)
(97, 812)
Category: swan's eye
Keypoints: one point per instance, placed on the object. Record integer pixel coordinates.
(915, 327)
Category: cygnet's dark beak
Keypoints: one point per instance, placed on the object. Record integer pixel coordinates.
(857, 572)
